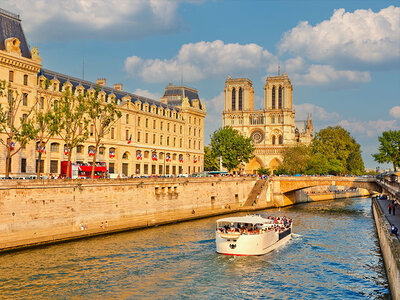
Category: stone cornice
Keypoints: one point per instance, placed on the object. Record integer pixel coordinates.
(19, 62)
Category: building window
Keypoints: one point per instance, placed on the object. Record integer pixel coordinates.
(25, 79)
(41, 166)
(233, 99)
(138, 121)
(147, 138)
(91, 130)
(127, 119)
(167, 140)
(111, 167)
(54, 147)
(174, 128)
(147, 123)
(190, 144)
(41, 102)
(154, 138)
(24, 117)
(127, 135)
(161, 125)
(161, 140)
(180, 143)
(23, 165)
(167, 126)
(25, 99)
(79, 149)
(11, 76)
(145, 169)
(273, 140)
(174, 141)
(280, 140)
(280, 97)
(54, 166)
(273, 120)
(112, 133)
(180, 129)
(154, 124)
(240, 98)
(102, 150)
(138, 136)
(273, 97)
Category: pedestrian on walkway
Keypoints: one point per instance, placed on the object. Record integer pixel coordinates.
(390, 209)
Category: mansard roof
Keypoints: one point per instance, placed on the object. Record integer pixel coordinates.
(108, 90)
(10, 27)
(182, 92)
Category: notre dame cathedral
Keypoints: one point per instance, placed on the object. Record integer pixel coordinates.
(271, 128)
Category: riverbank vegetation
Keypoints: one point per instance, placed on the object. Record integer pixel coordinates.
(389, 148)
(333, 151)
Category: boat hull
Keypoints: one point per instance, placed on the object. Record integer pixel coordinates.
(250, 245)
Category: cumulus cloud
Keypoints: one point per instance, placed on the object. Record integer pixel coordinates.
(360, 39)
(369, 128)
(147, 93)
(215, 104)
(52, 20)
(325, 75)
(197, 61)
(395, 112)
(318, 113)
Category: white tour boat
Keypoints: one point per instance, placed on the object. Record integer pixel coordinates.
(252, 234)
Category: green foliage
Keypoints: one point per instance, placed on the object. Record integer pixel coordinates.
(341, 151)
(389, 148)
(102, 117)
(17, 131)
(333, 151)
(210, 161)
(234, 148)
(263, 171)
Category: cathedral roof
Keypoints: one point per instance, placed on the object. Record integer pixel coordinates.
(301, 125)
(10, 27)
(108, 90)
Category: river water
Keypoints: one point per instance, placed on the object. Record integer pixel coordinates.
(334, 254)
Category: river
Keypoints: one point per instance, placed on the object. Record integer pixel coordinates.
(334, 254)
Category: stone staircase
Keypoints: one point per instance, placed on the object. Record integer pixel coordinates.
(257, 188)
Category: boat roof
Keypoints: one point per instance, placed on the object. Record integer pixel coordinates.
(246, 219)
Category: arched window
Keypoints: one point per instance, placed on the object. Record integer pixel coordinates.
(273, 97)
(240, 98)
(233, 99)
(273, 140)
(280, 140)
(280, 97)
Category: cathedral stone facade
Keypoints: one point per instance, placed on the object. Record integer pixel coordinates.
(152, 138)
(272, 128)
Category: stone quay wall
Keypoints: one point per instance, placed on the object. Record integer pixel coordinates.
(390, 248)
(39, 212)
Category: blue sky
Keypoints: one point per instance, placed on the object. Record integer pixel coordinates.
(343, 57)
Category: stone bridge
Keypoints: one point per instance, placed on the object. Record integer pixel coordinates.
(282, 189)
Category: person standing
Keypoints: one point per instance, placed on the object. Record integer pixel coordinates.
(390, 209)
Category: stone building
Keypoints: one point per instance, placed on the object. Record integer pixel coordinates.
(271, 128)
(151, 138)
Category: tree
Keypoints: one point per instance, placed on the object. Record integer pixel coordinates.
(263, 171)
(389, 148)
(342, 152)
(210, 161)
(18, 132)
(102, 118)
(295, 159)
(71, 122)
(45, 125)
(233, 147)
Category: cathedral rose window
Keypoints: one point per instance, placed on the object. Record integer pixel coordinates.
(257, 137)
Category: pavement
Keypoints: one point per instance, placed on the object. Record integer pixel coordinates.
(392, 219)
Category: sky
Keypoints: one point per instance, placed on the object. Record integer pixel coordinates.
(343, 57)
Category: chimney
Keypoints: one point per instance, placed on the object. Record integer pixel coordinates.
(118, 86)
(101, 81)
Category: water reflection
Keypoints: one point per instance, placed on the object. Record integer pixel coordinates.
(333, 254)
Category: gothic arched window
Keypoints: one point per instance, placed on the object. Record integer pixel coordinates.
(240, 98)
(273, 97)
(233, 99)
(280, 140)
(273, 140)
(280, 97)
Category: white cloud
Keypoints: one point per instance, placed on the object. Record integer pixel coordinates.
(395, 112)
(362, 38)
(197, 61)
(325, 75)
(52, 20)
(318, 113)
(369, 128)
(215, 104)
(147, 93)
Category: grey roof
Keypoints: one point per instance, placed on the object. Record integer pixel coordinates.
(183, 92)
(10, 26)
(300, 125)
(108, 90)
